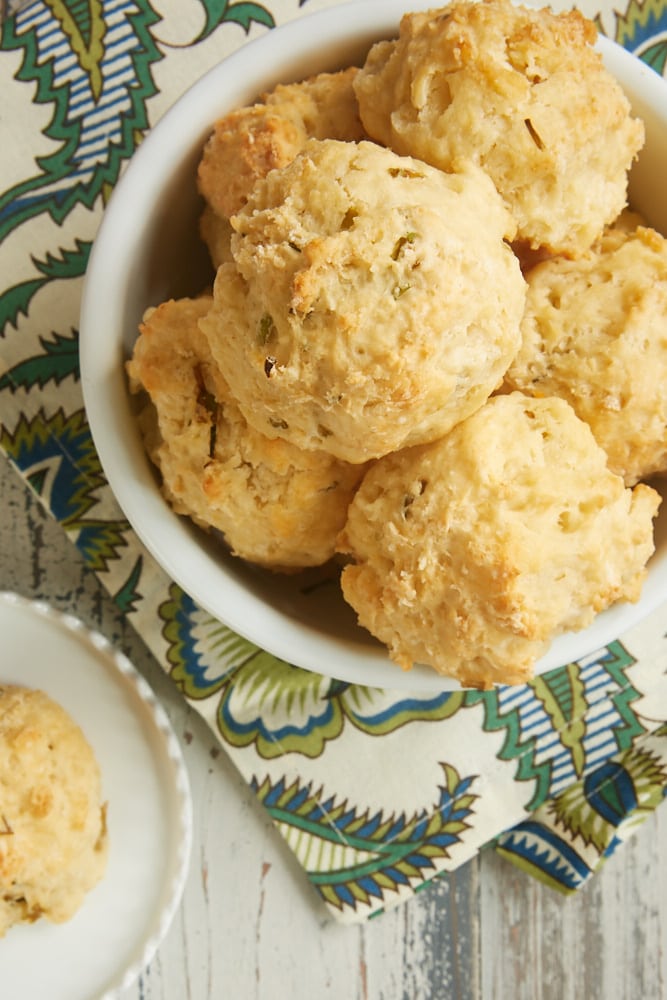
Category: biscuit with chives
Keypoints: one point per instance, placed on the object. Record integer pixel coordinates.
(368, 306)
(594, 333)
(471, 554)
(277, 506)
(522, 92)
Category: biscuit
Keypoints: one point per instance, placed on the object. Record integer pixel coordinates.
(368, 307)
(525, 95)
(243, 147)
(325, 105)
(53, 840)
(248, 142)
(216, 233)
(277, 506)
(472, 553)
(594, 333)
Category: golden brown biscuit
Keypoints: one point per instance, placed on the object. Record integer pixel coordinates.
(53, 842)
(472, 553)
(243, 147)
(369, 307)
(524, 94)
(594, 333)
(277, 506)
(248, 142)
(325, 106)
(216, 233)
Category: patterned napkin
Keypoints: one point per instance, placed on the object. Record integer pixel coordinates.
(377, 792)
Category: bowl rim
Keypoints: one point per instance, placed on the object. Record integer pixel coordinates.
(128, 471)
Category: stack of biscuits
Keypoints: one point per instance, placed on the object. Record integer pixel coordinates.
(435, 344)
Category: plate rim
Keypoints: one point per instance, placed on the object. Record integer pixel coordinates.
(125, 673)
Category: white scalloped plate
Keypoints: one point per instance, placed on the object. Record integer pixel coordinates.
(114, 935)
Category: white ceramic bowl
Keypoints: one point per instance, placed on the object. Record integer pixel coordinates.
(147, 250)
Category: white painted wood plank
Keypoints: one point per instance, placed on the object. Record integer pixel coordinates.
(607, 942)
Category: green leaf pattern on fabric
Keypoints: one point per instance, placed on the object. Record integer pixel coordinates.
(359, 859)
(83, 24)
(569, 838)
(269, 704)
(588, 702)
(637, 28)
(99, 102)
(243, 13)
(15, 300)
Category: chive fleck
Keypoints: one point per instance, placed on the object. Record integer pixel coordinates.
(403, 172)
(533, 133)
(208, 402)
(267, 328)
(400, 243)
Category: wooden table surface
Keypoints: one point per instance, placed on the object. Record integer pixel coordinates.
(251, 928)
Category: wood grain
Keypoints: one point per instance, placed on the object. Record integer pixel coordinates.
(251, 928)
